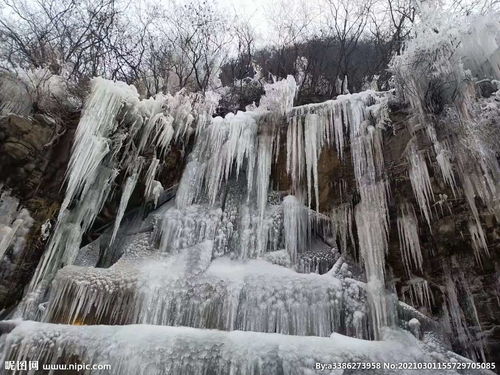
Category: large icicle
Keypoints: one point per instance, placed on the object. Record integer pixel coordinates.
(91, 138)
(264, 161)
(313, 139)
(150, 177)
(420, 182)
(409, 242)
(295, 223)
(128, 189)
(363, 116)
(372, 227)
(342, 219)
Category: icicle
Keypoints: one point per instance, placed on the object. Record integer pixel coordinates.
(419, 293)
(156, 190)
(420, 182)
(258, 234)
(191, 183)
(313, 137)
(264, 161)
(230, 141)
(181, 228)
(372, 235)
(478, 238)
(96, 125)
(444, 162)
(164, 133)
(479, 344)
(345, 89)
(459, 322)
(409, 242)
(295, 153)
(150, 177)
(478, 241)
(127, 192)
(342, 224)
(295, 227)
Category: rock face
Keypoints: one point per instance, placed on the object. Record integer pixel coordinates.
(32, 166)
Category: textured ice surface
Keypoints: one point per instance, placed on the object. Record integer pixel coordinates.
(187, 288)
(144, 349)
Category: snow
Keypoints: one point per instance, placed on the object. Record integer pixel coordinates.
(181, 350)
(279, 95)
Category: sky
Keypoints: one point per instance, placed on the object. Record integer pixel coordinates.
(251, 10)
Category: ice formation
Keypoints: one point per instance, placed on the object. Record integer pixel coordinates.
(128, 188)
(455, 314)
(295, 226)
(230, 253)
(15, 224)
(342, 220)
(418, 293)
(188, 289)
(409, 241)
(114, 130)
(420, 182)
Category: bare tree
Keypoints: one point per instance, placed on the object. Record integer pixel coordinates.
(345, 23)
(199, 40)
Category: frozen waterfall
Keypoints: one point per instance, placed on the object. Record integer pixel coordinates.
(240, 274)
